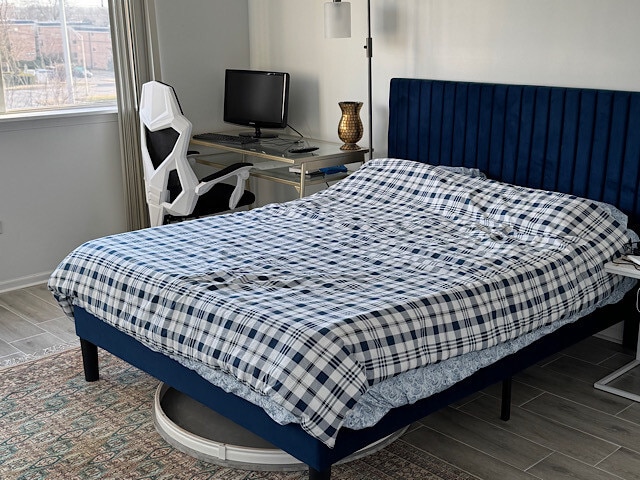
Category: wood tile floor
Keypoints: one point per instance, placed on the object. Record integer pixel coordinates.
(560, 427)
(30, 322)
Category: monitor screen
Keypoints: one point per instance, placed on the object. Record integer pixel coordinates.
(256, 98)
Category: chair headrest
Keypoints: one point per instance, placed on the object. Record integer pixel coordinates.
(158, 105)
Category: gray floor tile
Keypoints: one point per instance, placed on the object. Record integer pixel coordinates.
(572, 389)
(8, 359)
(599, 424)
(13, 327)
(520, 393)
(631, 414)
(578, 369)
(463, 456)
(548, 359)
(560, 467)
(29, 306)
(616, 361)
(6, 349)
(467, 399)
(41, 291)
(62, 328)
(624, 463)
(499, 443)
(628, 381)
(593, 350)
(37, 343)
(543, 431)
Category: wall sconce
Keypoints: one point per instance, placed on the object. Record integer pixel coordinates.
(337, 24)
(337, 19)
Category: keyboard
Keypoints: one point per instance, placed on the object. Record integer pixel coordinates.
(223, 138)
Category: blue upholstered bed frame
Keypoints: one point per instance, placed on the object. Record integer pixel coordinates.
(579, 141)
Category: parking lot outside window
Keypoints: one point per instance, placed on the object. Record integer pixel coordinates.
(55, 55)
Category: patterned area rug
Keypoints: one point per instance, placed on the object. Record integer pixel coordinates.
(54, 425)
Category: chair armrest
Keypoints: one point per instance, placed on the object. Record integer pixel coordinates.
(240, 170)
(227, 170)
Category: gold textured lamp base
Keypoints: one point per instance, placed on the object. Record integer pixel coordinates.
(350, 128)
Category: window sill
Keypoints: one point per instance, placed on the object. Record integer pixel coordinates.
(46, 114)
(57, 118)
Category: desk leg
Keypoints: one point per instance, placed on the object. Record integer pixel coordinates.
(302, 180)
(603, 383)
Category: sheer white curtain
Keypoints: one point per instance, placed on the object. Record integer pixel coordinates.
(133, 37)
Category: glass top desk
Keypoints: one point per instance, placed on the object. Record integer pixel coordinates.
(271, 158)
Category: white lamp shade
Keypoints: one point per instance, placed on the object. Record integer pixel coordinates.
(337, 20)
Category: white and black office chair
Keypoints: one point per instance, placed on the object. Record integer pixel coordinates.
(173, 190)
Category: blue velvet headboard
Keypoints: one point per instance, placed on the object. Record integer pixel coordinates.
(580, 141)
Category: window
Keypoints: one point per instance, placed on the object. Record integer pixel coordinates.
(55, 54)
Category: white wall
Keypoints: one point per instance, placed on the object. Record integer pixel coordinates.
(197, 41)
(60, 185)
(586, 43)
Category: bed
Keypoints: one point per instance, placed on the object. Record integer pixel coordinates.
(247, 323)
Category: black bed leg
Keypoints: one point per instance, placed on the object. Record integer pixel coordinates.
(319, 474)
(89, 360)
(505, 409)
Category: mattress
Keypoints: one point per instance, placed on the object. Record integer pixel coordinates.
(313, 303)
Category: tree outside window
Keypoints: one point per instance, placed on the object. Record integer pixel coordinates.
(55, 54)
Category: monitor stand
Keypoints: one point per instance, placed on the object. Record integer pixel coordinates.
(257, 134)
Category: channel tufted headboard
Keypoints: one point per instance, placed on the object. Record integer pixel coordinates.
(580, 141)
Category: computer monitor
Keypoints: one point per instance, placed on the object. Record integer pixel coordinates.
(256, 98)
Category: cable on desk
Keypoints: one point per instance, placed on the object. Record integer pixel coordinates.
(282, 145)
(295, 130)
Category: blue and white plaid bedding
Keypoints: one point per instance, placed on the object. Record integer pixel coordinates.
(312, 302)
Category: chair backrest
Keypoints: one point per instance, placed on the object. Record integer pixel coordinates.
(165, 133)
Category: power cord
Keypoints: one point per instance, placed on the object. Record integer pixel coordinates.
(302, 136)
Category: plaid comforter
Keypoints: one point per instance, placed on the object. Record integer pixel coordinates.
(311, 302)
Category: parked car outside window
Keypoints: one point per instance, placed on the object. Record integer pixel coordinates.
(81, 72)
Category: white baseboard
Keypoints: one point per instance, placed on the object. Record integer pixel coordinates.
(22, 282)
